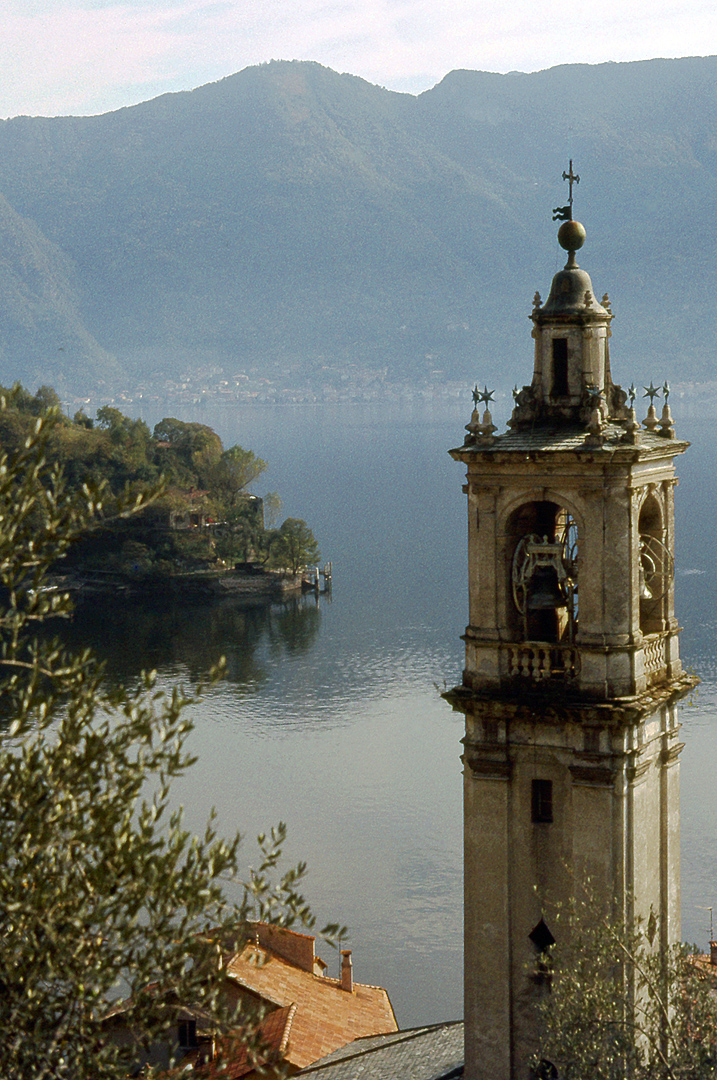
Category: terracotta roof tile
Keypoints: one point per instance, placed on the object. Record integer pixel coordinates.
(233, 1060)
(326, 1016)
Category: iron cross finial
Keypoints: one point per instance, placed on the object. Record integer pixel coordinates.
(565, 213)
(572, 178)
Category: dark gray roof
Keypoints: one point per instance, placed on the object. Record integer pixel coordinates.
(427, 1053)
(568, 438)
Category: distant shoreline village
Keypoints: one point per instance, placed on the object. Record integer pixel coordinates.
(214, 389)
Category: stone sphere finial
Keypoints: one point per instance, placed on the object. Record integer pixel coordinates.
(571, 235)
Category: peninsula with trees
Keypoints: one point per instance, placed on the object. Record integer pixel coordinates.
(199, 530)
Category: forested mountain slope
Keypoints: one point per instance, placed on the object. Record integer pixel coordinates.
(291, 218)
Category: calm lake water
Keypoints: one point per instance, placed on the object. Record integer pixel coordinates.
(330, 717)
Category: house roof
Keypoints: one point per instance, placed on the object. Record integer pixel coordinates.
(308, 1015)
(233, 1059)
(428, 1053)
(705, 965)
(326, 1016)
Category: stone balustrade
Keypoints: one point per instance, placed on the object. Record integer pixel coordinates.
(541, 660)
(653, 648)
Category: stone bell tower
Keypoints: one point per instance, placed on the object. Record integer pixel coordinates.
(572, 672)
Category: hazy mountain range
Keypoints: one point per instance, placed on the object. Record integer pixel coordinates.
(292, 219)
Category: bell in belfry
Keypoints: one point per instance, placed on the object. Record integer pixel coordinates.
(544, 593)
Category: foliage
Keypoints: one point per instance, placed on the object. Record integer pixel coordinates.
(197, 475)
(293, 546)
(118, 450)
(101, 885)
(243, 536)
(272, 509)
(194, 449)
(620, 1005)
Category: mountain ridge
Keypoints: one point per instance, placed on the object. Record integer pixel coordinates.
(288, 218)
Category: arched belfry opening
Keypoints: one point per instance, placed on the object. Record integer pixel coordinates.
(655, 568)
(543, 570)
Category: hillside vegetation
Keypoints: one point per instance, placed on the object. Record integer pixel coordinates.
(200, 516)
(289, 219)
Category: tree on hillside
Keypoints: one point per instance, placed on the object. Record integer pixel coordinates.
(46, 397)
(272, 509)
(101, 885)
(235, 470)
(620, 1006)
(122, 444)
(293, 546)
(196, 445)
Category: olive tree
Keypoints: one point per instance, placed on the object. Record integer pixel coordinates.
(102, 888)
(620, 1005)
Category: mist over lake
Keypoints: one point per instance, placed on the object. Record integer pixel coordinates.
(330, 717)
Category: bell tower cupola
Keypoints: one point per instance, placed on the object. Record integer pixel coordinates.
(572, 670)
(571, 332)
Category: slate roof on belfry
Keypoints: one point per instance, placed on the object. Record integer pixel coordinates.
(428, 1053)
(556, 439)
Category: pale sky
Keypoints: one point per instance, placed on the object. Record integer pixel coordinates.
(89, 56)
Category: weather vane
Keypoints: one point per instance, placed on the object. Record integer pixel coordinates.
(565, 213)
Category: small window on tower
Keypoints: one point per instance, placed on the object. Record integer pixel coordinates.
(560, 367)
(542, 802)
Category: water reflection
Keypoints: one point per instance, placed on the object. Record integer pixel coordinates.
(294, 628)
(186, 639)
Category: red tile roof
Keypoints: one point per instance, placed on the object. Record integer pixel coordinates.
(234, 1061)
(326, 1016)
